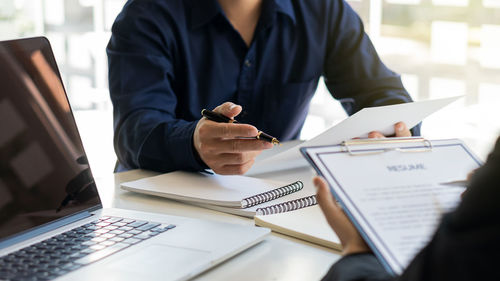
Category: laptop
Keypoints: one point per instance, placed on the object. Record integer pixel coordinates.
(52, 224)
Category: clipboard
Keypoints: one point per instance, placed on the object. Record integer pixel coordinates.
(391, 189)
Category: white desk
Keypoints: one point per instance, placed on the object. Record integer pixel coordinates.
(278, 257)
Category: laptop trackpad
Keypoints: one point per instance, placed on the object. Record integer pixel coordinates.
(159, 259)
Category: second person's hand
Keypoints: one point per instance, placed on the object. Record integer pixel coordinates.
(221, 145)
(351, 240)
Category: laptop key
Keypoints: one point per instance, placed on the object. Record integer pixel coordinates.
(107, 235)
(99, 239)
(98, 247)
(101, 231)
(142, 236)
(88, 251)
(107, 243)
(117, 239)
(114, 219)
(137, 223)
(111, 227)
(148, 226)
(125, 235)
(101, 254)
(163, 228)
(131, 241)
(125, 228)
(77, 255)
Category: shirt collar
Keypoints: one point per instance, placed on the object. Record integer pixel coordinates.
(204, 11)
(285, 7)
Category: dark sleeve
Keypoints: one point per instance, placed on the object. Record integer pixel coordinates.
(147, 133)
(466, 245)
(353, 71)
(363, 266)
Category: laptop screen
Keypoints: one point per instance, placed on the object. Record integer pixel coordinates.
(44, 173)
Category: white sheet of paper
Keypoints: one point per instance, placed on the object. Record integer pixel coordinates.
(381, 118)
(395, 198)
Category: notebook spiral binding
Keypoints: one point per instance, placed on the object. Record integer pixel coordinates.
(288, 206)
(272, 194)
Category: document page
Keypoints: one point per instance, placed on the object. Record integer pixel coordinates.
(396, 199)
(380, 118)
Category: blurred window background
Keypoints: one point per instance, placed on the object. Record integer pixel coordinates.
(440, 47)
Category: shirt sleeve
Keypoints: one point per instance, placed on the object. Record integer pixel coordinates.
(353, 71)
(147, 133)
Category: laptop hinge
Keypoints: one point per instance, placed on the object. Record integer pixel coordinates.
(31, 233)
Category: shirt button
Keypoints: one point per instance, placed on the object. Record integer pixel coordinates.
(248, 63)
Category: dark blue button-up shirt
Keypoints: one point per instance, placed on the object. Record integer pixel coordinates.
(170, 59)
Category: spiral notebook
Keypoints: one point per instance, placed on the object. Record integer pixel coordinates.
(240, 195)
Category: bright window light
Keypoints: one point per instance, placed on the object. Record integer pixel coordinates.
(445, 87)
(410, 82)
(491, 3)
(54, 12)
(490, 46)
(457, 3)
(449, 42)
(404, 2)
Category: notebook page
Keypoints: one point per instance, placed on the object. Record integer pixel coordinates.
(308, 224)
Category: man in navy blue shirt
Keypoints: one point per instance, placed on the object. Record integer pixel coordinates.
(259, 60)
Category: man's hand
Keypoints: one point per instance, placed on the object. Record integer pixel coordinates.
(400, 129)
(351, 241)
(220, 147)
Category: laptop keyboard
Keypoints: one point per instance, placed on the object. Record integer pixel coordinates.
(77, 247)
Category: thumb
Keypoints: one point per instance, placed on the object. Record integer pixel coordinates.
(326, 202)
(229, 109)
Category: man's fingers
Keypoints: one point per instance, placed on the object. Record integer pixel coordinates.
(237, 158)
(214, 130)
(375, 135)
(238, 145)
(234, 169)
(227, 130)
(401, 130)
(229, 109)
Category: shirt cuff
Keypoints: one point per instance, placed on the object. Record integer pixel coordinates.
(170, 148)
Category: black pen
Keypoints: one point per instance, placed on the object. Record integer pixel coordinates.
(221, 118)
